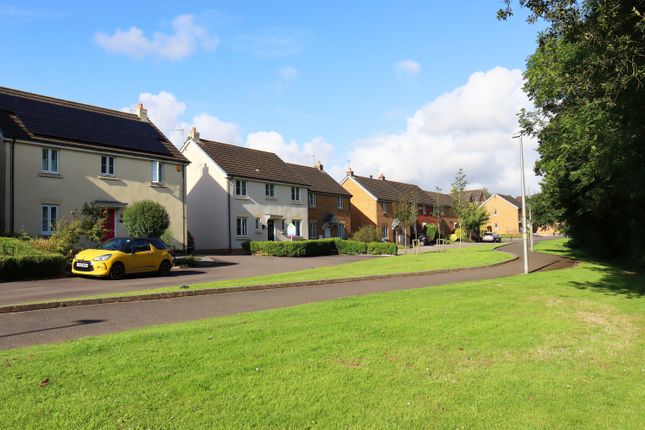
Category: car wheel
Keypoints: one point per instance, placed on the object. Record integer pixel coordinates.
(117, 271)
(164, 268)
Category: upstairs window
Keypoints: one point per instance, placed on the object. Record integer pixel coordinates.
(384, 207)
(384, 232)
(157, 172)
(339, 202)
(295, 194)
(269, 190)
(50, 161)
(108, 166)
(240, 188)
(312, 200)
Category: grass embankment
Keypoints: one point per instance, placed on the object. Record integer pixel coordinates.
(474, 256)
(555, 349)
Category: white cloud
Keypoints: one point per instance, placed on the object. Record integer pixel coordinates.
(470, 127)
(292, 152)
(212, 128)
(288, 73)
(271, 43)
(409, 68)
(183, 42)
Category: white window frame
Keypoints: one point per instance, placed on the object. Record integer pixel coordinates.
(269, 190)
(313, 200)
(241, 227)
(156, 176)
(47, 161)
(48, 217)
(298, 225)
(295, 192)
(108, 165)
(258, 226)
(313, 230)
(339, 202)
(385, 232)
(240, 188)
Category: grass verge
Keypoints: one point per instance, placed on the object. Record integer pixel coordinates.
(550, 350)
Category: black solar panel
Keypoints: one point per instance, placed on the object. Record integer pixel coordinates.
(53, 120)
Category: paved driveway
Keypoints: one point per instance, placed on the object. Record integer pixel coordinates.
(225, 267)
(53, 325)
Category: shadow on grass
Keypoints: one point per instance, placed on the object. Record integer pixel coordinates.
(615, 281)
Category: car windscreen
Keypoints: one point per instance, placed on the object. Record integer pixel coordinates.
(116, 245)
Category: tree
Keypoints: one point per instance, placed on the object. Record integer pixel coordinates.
(367, 233)
(406, 211)
(459, 203)
(586, 80)
(473, 216)
(542, 213)
(146, 218)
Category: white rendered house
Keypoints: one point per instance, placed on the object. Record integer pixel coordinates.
(237, 194)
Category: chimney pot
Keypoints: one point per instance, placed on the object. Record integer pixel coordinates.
(381, 177)
(319, 166)
(371, 176)
(350, 172)
(141, 112)
(194, 134)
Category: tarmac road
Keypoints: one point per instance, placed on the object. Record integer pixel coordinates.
(55, 325)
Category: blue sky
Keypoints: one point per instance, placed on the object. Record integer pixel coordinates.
(343, 80)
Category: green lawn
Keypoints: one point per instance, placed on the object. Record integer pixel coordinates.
(557, 349)
(430, 261)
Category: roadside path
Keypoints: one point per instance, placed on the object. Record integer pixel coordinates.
(55, 325)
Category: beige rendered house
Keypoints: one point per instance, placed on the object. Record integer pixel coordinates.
(56, 155)
(504, 213)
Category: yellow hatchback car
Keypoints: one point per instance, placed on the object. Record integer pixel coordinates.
(123, 256)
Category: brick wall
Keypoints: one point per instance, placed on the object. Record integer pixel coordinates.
(326, 204)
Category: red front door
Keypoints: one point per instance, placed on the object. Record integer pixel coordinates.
(108, 230)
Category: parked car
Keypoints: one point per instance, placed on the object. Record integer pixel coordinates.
(118, 257)
(490, 236)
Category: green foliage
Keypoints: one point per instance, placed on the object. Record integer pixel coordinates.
(431, 231)
(585, 80)
(381, 248)
(473, 217)
(350, 247)
(542, 211)
(367, 233)
(146, 218)
(92, 222)
(167, 236)
(20, 259)
(300, 248)
(406, 211)
(457, 189)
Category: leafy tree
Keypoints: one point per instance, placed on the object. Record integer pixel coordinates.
(586, 80)
(406, 211)
(473, 216)
(146, 218)
(542, 213)
(367, 233)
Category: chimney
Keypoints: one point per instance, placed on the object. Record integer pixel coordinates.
(194, 134)
(381, 177)
(319, 166)
(141, 112)
(371, 177)
(350, 172)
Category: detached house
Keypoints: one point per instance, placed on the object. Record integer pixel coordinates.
(373, 203)
(328, 202)
(237, 194)
(504, 213)
(56, 155)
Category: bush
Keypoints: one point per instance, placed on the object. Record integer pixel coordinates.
(459, 234)
(25, 266)
(301, 248)
(381, 248)
(367, 233)
(350, 247)
(431, 232)
(146, 218)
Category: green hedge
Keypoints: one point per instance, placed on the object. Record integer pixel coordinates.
(350, 247)
(312, 248)
(28, 266)
(381, 248)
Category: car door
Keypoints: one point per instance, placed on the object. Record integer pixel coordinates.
(142, 258)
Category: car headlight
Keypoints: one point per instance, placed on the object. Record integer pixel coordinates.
(102, 257)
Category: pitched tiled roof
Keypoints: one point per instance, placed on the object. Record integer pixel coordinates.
(444, 199)
(392, 191)
(511, 200)
(242, 162)
(50, 120)
(319, 181)
(477, 195)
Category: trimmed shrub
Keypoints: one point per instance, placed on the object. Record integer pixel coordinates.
(431, 232)
(146, 218)
(381, 248)
(367, 233)
(350, 247)
(27, 266)
(301, 248)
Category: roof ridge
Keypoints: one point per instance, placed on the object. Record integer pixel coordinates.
(68, 103)
(239, 146)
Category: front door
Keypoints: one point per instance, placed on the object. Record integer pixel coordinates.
(270, 229)
(327, 232)
(108, 227)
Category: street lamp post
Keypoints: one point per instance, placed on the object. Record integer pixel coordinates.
(524, 241)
